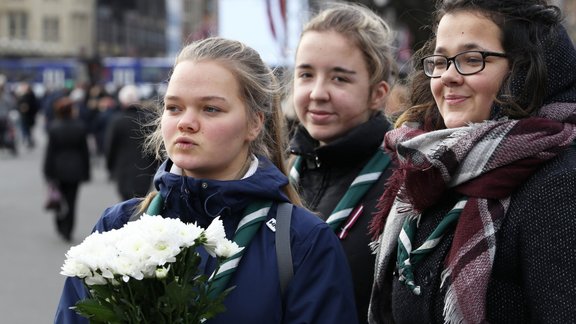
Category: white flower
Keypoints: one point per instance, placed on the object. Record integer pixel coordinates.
(146, 248)
(189, 234)
(142, 249)
(96, 279)
(73, 268)
(214, 235)
(226, 249)
(127, 267)
(162, 272)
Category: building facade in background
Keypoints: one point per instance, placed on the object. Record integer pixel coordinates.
(46, 27)
(97, 28)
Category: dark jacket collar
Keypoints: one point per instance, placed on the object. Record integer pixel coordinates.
(200, 200)
(354, 146)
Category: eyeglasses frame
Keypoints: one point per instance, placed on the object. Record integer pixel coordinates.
(450, 60)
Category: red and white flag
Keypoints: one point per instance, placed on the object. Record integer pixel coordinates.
(277, 19)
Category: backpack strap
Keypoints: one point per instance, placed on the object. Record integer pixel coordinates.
(283, 248)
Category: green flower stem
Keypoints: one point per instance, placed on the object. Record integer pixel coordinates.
(136, 311)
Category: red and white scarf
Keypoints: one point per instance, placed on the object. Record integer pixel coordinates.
(487, 162)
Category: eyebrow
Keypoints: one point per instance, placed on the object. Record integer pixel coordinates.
(337, 69)
(466, 47)
(203, 98)
(343, 70)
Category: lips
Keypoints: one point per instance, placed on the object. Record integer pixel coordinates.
(319, 116)
(184, 142)
(454, 99)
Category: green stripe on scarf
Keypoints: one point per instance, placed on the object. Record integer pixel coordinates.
(254, 215)
(155, 207)
(358, 188)
(408, 257)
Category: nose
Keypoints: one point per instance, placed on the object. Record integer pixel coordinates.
(451, 75)
(319, 90)
(188, 121)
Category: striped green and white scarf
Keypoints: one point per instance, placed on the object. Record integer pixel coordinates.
(345, 209)
(407, 257)
(254, 215)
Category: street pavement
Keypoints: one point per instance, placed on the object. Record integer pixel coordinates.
(31, 251)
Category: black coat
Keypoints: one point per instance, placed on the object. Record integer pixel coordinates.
(28, 106)
(533, 275)
(67, 157)
(126, 160)
(326, 174)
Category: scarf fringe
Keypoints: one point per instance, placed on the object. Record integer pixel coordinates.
(451, 313)
(375, 245)
(445, 275)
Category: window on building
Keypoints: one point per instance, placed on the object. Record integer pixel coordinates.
(51, 29)
(80, 28)
(17, 25)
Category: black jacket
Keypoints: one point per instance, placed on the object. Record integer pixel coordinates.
(126, 160)
(326, 174)
(67, 157)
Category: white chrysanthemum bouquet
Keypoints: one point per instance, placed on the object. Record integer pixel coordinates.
(147, 272)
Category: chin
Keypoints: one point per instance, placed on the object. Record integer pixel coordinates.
(322, 135)
(455, 124)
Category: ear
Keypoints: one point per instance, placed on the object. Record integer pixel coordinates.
(255, 127)
(379, 95)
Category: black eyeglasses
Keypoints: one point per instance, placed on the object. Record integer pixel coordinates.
(467, 63)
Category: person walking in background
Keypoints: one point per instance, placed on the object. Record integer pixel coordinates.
(478, 226)
(66, 162)
(220, 132)
(28, 107)
(342, 71)
(128, 164)
(7, 125)
(89, 113)
(108, 106)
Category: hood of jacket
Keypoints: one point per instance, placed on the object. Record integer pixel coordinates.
(559, 57)
(201, 200)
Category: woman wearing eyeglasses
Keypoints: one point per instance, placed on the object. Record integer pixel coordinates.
(477, 224)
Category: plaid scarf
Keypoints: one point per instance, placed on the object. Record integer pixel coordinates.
(486, 162)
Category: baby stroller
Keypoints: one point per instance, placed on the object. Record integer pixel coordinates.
(8, 133)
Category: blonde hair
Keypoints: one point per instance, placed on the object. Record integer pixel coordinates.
(369, 32)
(258, 88)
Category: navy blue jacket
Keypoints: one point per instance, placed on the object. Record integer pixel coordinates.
(321, 290)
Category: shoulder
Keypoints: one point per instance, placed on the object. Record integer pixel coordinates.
(556, 175)
(309, 230)
(550, 191)
(116, 216)
(304, 220)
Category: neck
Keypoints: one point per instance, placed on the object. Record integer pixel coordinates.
(244, 168)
